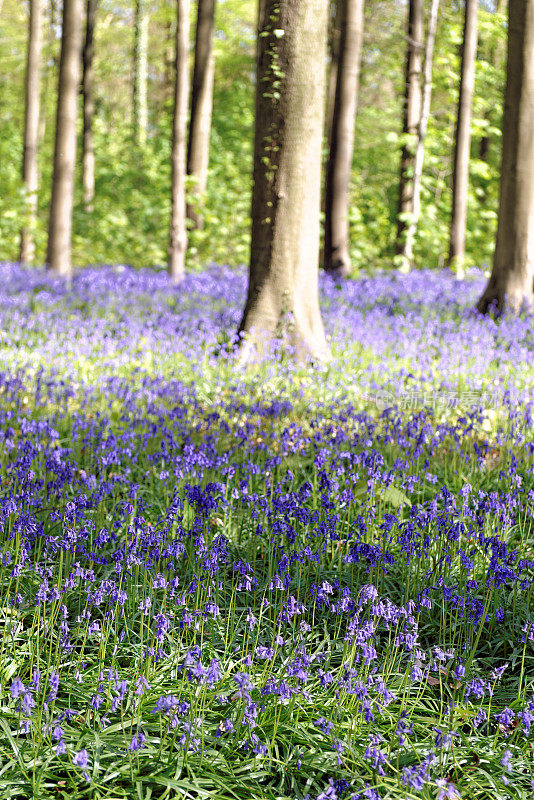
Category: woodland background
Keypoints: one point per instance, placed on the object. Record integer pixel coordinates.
(129, 222)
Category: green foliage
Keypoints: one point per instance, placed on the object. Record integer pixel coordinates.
(130, 220)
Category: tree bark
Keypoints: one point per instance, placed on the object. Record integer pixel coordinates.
(411, 118)
(339, 166)
(140, 108)
(201, 106)
(168, 54)
(462, 147)
(48, 67)
(282, 301)
(60, 223)
(407, 251)
(512, 277)
(30, 174)
(88, 158)
(335, 36)
(178, 231)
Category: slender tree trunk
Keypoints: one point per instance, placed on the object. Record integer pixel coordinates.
(178, 231)
(201, 105)
(338, 171)
(462, 147)
(60, 223)
(282, 298)
(88, 159)
(30, 174)
(140, 108)
(168, 57)
(49, 66)
(411, 117)
(407, 252)
(512, 277)
(335, 37)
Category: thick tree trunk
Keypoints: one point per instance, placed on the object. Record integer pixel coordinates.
(282, 301)
(407, 251)
(201, 105)
(30, 174)
(88, 159)
(512, 277)
(60, 223)
(462, 147)
(178, 231)
(140, 108)
(411, 117)
(338, 171)
(335, 37)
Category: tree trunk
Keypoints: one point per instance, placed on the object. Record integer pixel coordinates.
(60, 224)
(140, 108)
(88, 160)
(407, 252)
(282, 299)
(201, 105)
(48, 67)
(178, 231)
(168, 55)
(335, 36)
(462, 147)
(411, 118)
(512, 277)
(338, 171)
(496, 56)
(30, 174)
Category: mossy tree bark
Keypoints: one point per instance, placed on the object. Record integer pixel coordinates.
(511, 282)
(282, 301)
(178, 231)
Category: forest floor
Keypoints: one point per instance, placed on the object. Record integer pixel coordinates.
(272, 582)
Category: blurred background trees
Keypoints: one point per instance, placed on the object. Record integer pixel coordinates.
(128, 219)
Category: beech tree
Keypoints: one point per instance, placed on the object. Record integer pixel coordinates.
(201, 105)
(140, 108)
(336, 7)
(88, 158)
(178, 231)
(282, 297)
(338, 170)
(30, 173)
(512, 277)
(60, 221)
(411, 116)
(462, 147)
(409, 239)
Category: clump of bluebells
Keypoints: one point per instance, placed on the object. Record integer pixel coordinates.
(272, 581)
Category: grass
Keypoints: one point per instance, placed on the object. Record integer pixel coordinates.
(267, 583)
